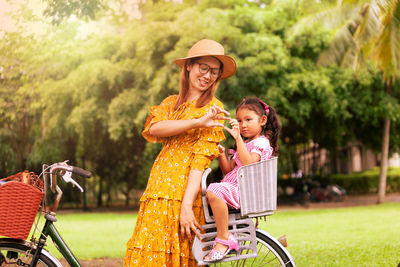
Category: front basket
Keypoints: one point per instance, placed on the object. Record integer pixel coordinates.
(19, 204)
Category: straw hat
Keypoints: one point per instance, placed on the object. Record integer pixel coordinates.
(205, 48)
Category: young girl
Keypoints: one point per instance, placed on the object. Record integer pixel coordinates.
(256, 132)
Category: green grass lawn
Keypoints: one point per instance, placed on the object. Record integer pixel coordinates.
(95, 235)
(356, 236)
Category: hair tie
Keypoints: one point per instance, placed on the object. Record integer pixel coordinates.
(266, 107)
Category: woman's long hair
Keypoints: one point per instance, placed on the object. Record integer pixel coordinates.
(207, 95)
(272, 128)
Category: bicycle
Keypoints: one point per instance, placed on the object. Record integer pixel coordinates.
(257, 188)
(19, 252)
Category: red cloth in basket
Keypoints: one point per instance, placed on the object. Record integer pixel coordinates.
(19, 203)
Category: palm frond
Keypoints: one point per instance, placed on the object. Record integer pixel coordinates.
(369, 26)
(342, 49)
(366, 30)
(331, 18)
(386, 51)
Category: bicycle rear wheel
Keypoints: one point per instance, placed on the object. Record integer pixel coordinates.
(270, 253)
(15, 252)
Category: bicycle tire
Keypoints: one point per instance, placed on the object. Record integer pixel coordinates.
(16, 252)
(270, 253)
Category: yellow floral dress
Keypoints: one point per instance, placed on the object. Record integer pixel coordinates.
(156, 239)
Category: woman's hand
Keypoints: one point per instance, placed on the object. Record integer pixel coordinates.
(235, 131)
(188, 222)
(208, 120)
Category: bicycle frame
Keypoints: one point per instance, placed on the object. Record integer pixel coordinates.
(29, 253)
(49, 229)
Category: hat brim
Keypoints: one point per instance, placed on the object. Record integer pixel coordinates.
(228, 62)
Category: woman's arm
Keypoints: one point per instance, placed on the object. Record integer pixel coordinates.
(187, 220)
(174, 127)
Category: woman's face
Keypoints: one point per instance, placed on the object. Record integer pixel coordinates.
(203, 73)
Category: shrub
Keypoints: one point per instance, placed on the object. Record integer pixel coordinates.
(363, 182)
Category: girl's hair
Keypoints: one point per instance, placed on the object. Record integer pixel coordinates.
(272, 128)
(206, 97)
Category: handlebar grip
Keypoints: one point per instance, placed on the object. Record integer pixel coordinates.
(81, 172)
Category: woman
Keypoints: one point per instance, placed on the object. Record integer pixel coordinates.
(189, 125)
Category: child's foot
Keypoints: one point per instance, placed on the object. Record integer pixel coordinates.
(221, 248)
(217, 252)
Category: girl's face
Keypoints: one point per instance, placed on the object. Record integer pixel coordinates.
(202, 74)
(250, 123)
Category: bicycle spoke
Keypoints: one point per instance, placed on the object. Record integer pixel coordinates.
(268, 263)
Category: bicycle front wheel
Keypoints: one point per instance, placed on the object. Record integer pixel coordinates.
(270, 253)
(15, 252)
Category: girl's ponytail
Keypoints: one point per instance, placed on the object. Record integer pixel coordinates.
(272, 130)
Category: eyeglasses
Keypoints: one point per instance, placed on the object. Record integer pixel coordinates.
(204, 68)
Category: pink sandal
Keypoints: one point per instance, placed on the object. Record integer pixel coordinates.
(216, 255)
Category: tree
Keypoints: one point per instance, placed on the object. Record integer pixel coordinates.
(90, 95)
(60, 10)
(18, 82)
(374, 34)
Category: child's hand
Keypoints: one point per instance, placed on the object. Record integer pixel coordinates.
(235, 131)
(209, 119)
(221, 149)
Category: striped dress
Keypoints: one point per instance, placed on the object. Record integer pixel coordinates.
(228, 189)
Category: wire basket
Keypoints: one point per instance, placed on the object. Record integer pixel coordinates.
(20, 198)
(258, 188)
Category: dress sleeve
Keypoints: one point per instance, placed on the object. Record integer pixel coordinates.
(206, 147)
(158, 113)
(263, 148)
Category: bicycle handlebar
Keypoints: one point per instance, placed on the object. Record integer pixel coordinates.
(65, 170)
(67, 175)
(81, 172)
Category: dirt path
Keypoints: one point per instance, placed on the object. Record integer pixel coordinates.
(98, 262)
(350, 201)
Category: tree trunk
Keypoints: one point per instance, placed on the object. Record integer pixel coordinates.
(109, 189)
(384, 161)
(100, 193)
(127, 198)
(85, 207)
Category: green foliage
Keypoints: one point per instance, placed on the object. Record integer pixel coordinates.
(223, 4)
(64, 96)
(18, 82)
(260, 20)
(308, 42)
(8, 163)
(60, 10)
